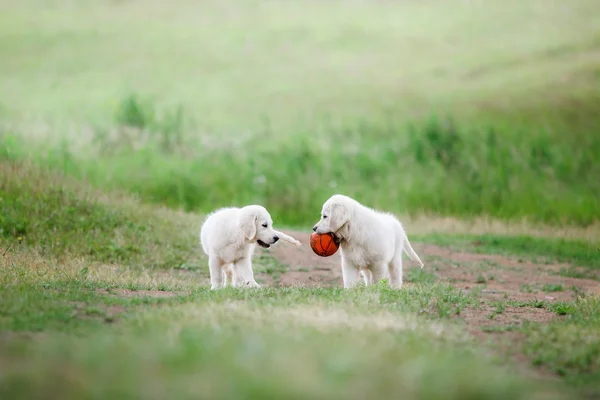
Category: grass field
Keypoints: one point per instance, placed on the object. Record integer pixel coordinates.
(123, 122)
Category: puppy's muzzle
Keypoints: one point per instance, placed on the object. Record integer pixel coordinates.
(267, 245)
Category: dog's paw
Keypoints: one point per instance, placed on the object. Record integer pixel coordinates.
(293, 241)
(252, 284)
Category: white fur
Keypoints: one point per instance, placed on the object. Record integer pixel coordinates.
(229, 237)
(371, 242)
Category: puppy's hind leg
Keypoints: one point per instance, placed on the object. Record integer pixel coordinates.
(217, 275)
(395, 271)
(379, 273)
(367, 276)
(227, 275)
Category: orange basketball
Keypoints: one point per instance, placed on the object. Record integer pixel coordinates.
(324, 244)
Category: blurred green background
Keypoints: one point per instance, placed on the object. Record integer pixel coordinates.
(454, 108)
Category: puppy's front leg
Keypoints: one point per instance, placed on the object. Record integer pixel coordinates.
(288, 238)
(243, 276)
(350, 274)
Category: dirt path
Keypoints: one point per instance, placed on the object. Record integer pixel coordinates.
(495, 277)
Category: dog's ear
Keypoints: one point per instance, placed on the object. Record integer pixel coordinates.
(248, 225)
(339, 215)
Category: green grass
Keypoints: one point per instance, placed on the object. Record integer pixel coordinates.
(338, 99)
(527, 288)
(419, 275)
(553, 288)
(270, 343)
(499, 308)
(269, 265)
(443, 172)
(570, 346)
(60, 217)
(232, 352)
(61, 306)
(575, 252)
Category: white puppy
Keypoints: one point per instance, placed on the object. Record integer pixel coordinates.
(229, 237)
(371, 242)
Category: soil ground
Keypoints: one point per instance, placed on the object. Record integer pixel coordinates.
(495, 277)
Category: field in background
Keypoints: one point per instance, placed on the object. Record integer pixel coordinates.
(463, 108)
(122, 122)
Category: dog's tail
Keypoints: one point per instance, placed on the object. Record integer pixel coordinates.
(203, 245)
(287, 238)
(411, 253)
(203, 238)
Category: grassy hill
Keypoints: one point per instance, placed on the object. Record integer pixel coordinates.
(458, 109)
(104, 296)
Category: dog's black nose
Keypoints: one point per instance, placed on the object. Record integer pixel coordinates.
(275, 239)
(315, 228)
